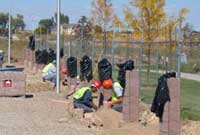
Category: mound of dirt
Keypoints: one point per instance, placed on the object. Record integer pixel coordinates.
(132, 128)
(110, 118)
(190, 128)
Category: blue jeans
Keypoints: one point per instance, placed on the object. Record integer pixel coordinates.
(84, 107)
(51, 78)
(118, 107)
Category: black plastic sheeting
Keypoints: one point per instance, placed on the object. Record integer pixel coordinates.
(72, 67)
(51, 55)
(46, 56)
(86, 69)
(161, 95)
(31, 44)
(105, 70)
(128, 65)
(41, 56)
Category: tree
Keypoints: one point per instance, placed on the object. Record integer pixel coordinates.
(117, 23)
(18, 22)
(151, 17)
(3, 20)
(48, 23)
(64, 19)
(102, 15)
(181, 16)
(41, 30)
(83, 33)
(3, 23)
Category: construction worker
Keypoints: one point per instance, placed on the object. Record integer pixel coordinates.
(83, 97)
(115, 102)
(1, 58)
(49, 72)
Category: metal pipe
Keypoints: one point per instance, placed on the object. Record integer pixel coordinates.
(9, 35)
(58, 49)
(179, 53)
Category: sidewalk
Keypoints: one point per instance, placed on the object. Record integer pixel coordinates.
(189, 76)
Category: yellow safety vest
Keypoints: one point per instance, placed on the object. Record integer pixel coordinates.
(113, 95)
(46, 68)
(80, 93)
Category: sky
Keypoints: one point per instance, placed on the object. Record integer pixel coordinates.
(34, 10)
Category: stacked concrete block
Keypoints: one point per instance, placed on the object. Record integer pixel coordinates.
(72, 83)
(39, 68)
(26, 53)
(29, 58)
(171, 116)
(107, 94)
(84, 83)
(131, 97)
(17, 85)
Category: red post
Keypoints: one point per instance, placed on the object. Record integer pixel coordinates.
(171, 116)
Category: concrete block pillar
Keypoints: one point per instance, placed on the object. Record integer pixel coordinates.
(26, 54)
(131, 97)
(72, 82)
(84, 83)
(171, 124)
(106, 93)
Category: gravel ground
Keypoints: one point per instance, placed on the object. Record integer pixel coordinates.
(37, 116)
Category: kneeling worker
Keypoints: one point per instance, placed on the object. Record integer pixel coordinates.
(116, 99)
(83, 97)
(49, 73)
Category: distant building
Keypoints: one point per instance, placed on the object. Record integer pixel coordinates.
(64, 29)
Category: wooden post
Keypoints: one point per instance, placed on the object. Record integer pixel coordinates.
(171, 116)
(131, 97)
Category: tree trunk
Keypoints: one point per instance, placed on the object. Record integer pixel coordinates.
(104, 42)
(170, 48)
(149, 61)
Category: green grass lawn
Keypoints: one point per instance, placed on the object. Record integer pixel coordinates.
(190, 98)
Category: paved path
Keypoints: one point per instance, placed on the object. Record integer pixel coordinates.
(189, 76)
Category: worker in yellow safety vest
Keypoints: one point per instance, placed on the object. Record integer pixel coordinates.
(49, 72)
(83, 97)
(115, 102)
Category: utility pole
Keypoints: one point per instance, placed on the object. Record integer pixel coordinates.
(9, 34)
(58, 49)
(179, 53)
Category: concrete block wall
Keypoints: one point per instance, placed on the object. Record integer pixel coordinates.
(171, 124)
(30, 62)
(106, 93)
(131, 97)
(18, 84)
(72, 84)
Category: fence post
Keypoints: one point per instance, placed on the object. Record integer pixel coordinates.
(131, 97)
(171, 116)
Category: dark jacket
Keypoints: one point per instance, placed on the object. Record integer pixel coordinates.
(86, 99)
(161, 95)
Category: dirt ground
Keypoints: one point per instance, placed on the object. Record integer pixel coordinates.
(43, 115)
(38, 116)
